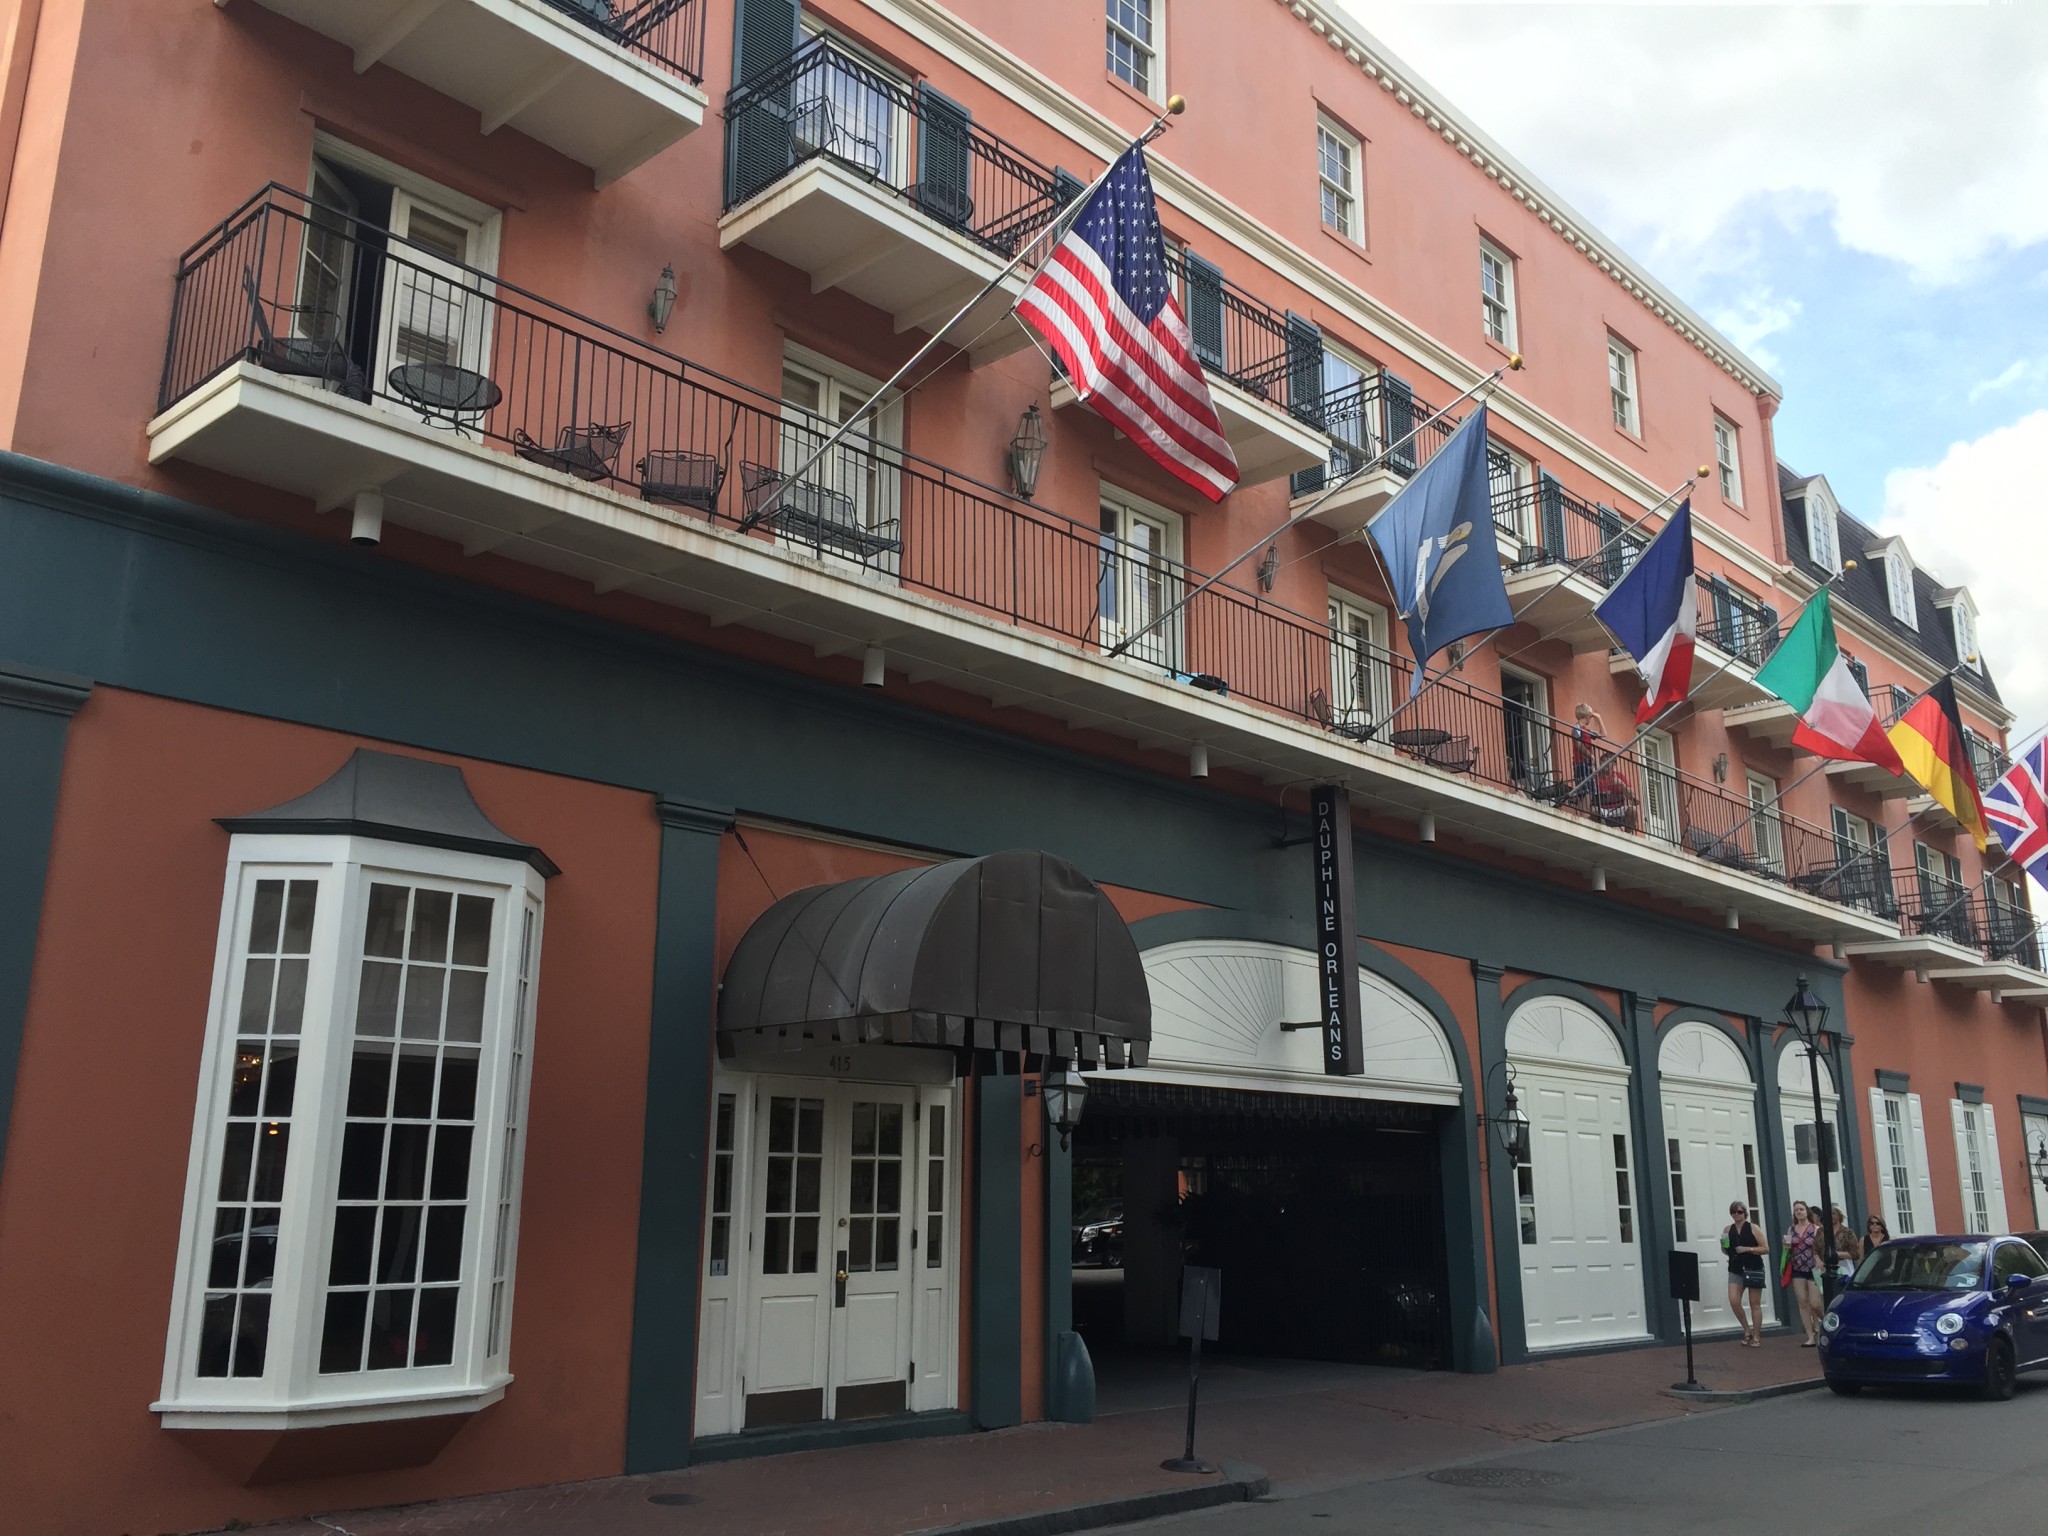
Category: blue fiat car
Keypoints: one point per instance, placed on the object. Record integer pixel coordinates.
(1965, 1310)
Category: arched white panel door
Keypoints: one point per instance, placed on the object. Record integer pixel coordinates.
(1222, 1011)
(1576, 1197)
(1712, 1153)
(1795, 1109)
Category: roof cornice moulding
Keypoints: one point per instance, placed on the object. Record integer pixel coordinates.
(1002, 71)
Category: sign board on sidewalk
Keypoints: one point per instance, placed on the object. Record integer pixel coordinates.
(1336, 931)
(1685, 1274)
(1201, 1302)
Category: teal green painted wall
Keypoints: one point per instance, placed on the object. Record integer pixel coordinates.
(996, 1313)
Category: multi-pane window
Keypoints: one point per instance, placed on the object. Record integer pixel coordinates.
(874, 1222)
(936, 1147)
(1963, 620)
(1898, 1163)
(242, 1255)
(1525, 1193)
(1508, 477)
(1140, 580)
(1337, 168)
(1821, 541)
(1898, 586)
(793, 1192)
(1727, 462)
(718, 1248)
(848, 504)
(1976, 1194)
(1749, 1178)
(1497, 293)
(1677, 1190)
(1625, 1217)
(1361, 676)
(1134, 27)
(1621, 384)
(1764, 829)
(356, 1175)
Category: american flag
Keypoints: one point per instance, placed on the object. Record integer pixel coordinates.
(2017, 808)
(1104, 303)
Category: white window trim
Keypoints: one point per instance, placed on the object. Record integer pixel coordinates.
(1155, 50)
(1823, 540)
(292, 1392)
(1509, 327)
(1768, 832)
(1962, 623)
(1161, 646)
(1355, 192)
(880, 437)
(1631, 394)
(1379, 680)
(1728, 471)
(1522, 475)
(488, 221)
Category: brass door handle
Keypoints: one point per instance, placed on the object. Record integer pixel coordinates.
(842, 1277)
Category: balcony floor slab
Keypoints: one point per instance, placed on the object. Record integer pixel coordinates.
(1559, 605)
(1268, 442)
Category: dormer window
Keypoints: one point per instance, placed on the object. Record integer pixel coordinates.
(1898, 585)
(1821, 542)
(1962, 617)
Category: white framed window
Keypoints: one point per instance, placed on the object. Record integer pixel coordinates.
(1727, 461)
(1901, 1214)
(1510, 482)
(1621, 385)
(1764, 830)
(851, 105)
(1962, 618)
(1977, 1167)
(1140, 578)
(1822, 542)
(1361, 675)
(1137, 44)
(1660, 786)
(1351, 410)
(1497, 292)
(1526, 727)
(1898, 585)
(352, 1199)
(1339, 169)
(848, 506)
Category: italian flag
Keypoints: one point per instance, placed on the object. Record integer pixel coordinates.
(1809, 672)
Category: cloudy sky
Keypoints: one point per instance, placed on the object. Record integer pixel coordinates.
(1857, 195)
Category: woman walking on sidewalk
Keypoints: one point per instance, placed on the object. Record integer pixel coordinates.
(1745, 1247)
(1848, 1246)
(1799, 1242)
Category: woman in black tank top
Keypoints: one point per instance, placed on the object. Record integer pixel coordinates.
(1746, 1251)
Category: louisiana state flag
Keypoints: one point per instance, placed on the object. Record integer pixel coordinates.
(1930, 742)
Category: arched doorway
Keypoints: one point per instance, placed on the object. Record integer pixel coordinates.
(1576, 1194)
(1321, 1198)
(1712, 1151)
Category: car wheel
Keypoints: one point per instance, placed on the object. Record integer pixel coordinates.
(1844, 1388)
(2001, 1377)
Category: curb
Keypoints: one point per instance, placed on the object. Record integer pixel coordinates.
(1239, 1484)
(1749, 1394)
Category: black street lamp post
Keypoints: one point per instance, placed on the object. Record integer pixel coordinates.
(1809, 1016)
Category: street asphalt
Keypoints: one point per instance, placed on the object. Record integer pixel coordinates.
(1813, 1465)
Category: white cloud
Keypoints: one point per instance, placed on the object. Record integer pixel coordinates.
(2021, 370)
(1753, 319)
(1975, 520)
(1920, 133)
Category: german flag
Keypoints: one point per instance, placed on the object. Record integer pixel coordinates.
(1930, 742)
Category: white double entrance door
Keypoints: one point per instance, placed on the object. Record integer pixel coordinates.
(846, 1306)
(1581, 1263)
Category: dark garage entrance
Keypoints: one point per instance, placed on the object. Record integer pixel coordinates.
(1324, 1214)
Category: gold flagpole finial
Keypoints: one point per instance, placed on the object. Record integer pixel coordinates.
(1514, 362)
(1176, 105)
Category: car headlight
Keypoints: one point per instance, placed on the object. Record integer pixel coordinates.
(1949, 1324)
(1830, 1323)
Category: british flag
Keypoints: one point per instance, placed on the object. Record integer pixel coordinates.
(2017, 808)
(1103, 302)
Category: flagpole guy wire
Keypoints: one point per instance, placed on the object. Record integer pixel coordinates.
(1175, 105)
(1572, 568)
(1491, 379)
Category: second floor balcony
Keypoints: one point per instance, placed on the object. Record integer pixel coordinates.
(885, 191)
(341, 364)
(609, 83)
(1968, 936)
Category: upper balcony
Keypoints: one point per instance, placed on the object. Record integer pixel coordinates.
(1376, 419)
(339, 363)
(1965, 935)
(609, 83)
(892, 194)
(1251, 362)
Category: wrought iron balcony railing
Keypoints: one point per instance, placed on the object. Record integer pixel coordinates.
(343, 307)
(1374, 417)
(822, 102)
(1247, 340)
(667, 33)
(1975, 918)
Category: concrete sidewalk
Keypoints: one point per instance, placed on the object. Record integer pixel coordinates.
(1306, 1426)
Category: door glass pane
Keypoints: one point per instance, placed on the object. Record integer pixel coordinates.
(791, 1185)
(935, 1188)
(874, 1186)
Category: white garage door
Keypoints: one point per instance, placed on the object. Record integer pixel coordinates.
(1795, 1108)
(1711, 1151)
(1577, 1200)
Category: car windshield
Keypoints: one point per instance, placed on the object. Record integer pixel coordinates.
(1923, 1267)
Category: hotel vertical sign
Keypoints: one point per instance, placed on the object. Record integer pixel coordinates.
(1336, 930)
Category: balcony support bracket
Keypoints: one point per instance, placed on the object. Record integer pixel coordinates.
(396, 31)
(853, 263)
(526, 93)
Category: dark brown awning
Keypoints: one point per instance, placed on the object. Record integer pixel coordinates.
(1017, 951)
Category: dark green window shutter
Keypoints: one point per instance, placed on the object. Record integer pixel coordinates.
(1767, 640)
(1066, 186)
(1401, 434)
(1205, 309)
(1305, 389)
(758, 151)
(945, 159)
(1615, 554)
(1550, 514)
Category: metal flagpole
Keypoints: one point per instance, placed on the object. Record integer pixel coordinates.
(1493, 378)
(1571, 569)
(1175, 105)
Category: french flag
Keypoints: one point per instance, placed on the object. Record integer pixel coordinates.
(1654, 612)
